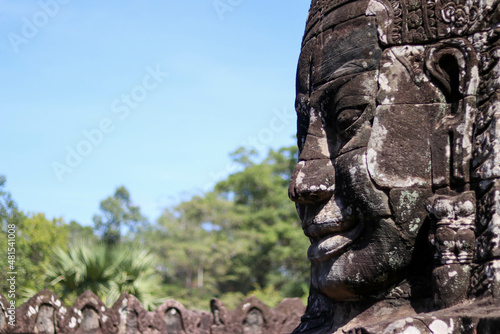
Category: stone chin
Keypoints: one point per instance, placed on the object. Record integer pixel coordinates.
(377, 260)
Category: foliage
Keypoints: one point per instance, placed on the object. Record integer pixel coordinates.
(117, 212)
(272, 296)
(269, 226)
(9, 213)
(106, 270)
(36, 239)
(77, 232)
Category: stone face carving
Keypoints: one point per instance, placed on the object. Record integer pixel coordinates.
(397, 183)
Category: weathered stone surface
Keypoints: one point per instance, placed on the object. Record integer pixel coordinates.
(452, 236)
(351, 47)
(45, 313)
(252, 316)
(352, 172)
(408, 205)
(45, 320)
(306, 177)
(412, 22)
(90, 314)
(287, 314)
(401, 133)
(486, 280)
(177, 319)
(134, 318)
(478, 317)
(401, 69)
(409, 135)
(487, 147)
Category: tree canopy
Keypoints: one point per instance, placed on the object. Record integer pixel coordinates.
(36, 237)
(117, 212)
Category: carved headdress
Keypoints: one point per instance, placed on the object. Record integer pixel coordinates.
(422, 21)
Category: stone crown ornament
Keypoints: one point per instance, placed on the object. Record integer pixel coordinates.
(414, 21)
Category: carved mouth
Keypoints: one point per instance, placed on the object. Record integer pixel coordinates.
(329, 245)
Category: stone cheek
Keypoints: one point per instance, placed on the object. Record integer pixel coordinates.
(354, 184)
(399, 152)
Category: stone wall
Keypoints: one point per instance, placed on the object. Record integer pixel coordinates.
(45, 313)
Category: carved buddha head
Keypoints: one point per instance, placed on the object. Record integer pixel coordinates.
(387, 100)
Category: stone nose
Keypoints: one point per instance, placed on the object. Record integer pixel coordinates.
(312, 181)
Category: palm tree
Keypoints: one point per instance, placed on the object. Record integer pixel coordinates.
(135, 273)
(107, 271)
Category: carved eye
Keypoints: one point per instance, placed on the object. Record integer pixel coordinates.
(347, 116)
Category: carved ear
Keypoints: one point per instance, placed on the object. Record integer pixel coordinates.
(452, 66)
(445, 67)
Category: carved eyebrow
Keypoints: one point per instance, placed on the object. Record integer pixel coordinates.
(357, 65)
(351, 101)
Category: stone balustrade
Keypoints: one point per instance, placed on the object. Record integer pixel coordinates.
(46, 313)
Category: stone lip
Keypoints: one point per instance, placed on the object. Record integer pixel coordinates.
(329, 245)
(46, 313)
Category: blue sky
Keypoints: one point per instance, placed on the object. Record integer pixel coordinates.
(150, 94)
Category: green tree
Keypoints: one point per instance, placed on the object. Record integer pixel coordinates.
(193, 255)
(77, 232)
(9, 212)
(275, 246)
(36, 239)
(117, 212)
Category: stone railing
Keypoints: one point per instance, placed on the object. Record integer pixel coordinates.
(45, 313)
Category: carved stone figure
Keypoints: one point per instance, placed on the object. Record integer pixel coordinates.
(398, 179)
